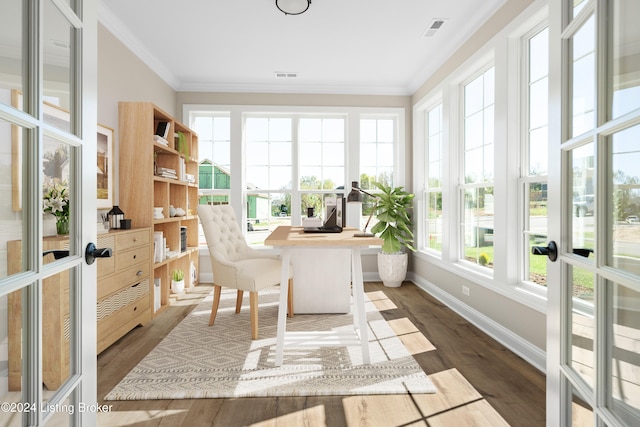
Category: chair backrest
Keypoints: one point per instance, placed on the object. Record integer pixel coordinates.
(222, 231)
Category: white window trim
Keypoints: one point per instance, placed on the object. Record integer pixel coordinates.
(500, 51)
(238, 113)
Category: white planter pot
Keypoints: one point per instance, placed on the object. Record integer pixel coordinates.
(177, 287)
(392, 268)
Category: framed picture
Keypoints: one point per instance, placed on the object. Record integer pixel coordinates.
(104, 147)
(54, 150)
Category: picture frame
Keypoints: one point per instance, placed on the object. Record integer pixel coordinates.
(60, 118)
(104, 152)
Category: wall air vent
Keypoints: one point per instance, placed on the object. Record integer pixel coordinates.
(285, 75)
(435, 26)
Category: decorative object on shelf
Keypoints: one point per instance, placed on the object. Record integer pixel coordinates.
(293, 7)
(125, 224)
(115, 217)
(181, 145)
(177, 281)
(56, 202)
(157, 212)
(394, 227)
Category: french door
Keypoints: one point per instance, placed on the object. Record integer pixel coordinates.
(593, 344)
(48, 169)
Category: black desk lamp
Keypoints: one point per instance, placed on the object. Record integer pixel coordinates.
(355, 196)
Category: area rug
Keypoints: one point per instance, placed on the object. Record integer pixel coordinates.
(221, 361)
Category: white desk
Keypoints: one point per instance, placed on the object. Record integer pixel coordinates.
(287, 238)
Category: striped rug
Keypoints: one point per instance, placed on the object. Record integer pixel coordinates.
(198, 361)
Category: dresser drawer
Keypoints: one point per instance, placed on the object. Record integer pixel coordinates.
(132, 239)
(122, 279)
(125, 259)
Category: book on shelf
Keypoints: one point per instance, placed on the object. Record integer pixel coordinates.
(162, 129)
(166, 173)
(160, 140)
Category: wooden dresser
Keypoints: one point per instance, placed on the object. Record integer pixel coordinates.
(123, 301)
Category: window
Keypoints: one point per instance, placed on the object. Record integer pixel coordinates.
(434, 177)
(214, 149)
(533, 180)
(322, 161)
(377, 160)
(269, 167)
(293, 158)
(477, 196)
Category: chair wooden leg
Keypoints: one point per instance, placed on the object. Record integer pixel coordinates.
(290, 299)
(239, 301)
(253, 309)
(216, 302)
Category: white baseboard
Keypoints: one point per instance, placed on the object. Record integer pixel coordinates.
(205, 278)
(523, 348)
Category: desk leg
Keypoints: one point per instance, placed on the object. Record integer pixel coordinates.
(360, 315)
(285, 258)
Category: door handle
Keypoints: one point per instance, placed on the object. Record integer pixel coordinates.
(551, 250)
(583, 252)
(91, 253)
(57, 253)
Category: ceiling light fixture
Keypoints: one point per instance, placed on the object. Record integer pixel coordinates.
(293, 7)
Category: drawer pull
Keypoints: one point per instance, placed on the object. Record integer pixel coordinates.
(134, 257)
(139, 273)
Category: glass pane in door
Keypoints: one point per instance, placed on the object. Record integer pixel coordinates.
(581, 412)
(11, 54)
(12, 396)
(57, 192)
(57, 68)
(583, 78)
(626, 38)
(624, 188)
(11, 212)
(582, 326)
(583, 205)
(625, 345)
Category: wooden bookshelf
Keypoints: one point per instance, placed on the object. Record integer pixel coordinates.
(142, 157)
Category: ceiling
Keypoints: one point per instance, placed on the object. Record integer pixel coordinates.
(337, 46)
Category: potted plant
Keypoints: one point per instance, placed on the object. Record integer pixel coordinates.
(394, 227)
(177, 281)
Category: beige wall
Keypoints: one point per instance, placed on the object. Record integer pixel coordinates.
(515, 317)
(122, 76)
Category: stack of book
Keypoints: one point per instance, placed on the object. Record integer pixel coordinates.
(160, 140)
(166, 173)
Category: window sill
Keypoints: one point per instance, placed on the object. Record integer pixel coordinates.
(526, 294)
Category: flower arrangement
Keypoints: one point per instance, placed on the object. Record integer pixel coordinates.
(56, 202)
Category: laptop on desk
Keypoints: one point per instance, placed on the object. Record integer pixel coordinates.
(331, 225)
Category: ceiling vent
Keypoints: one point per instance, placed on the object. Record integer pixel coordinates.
(435, 26)
(285, 75)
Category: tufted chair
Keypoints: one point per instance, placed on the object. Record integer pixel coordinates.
(235, 264)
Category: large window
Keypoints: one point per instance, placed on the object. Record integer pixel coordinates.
(291, 161)
(477, 195)
(534, 153)
(214, 149)
(434, 179)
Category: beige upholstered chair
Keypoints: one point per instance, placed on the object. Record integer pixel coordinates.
(235, 264)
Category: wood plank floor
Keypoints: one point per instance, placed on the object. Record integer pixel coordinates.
(480, 382)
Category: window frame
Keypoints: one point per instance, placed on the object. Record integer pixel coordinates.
(352, 115)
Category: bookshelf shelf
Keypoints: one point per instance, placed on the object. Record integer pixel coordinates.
(142, 159)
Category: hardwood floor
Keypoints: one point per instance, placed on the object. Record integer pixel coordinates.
(480, 383)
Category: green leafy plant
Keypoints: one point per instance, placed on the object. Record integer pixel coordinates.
(177, 275)
(483, 259)
(394, 225)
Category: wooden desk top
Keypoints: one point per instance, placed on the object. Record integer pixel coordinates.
(286, 235)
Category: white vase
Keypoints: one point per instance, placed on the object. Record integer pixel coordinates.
(177, 287)
(392, 268)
